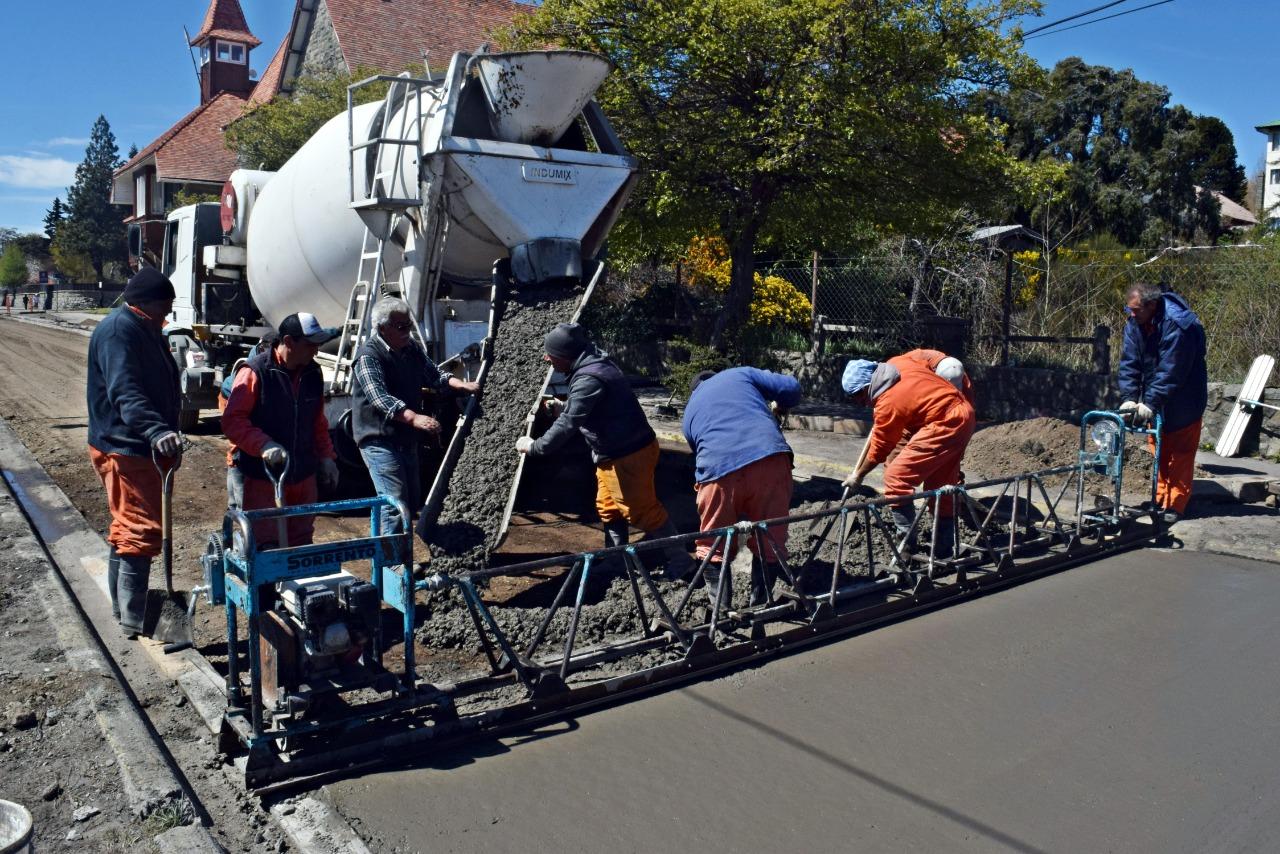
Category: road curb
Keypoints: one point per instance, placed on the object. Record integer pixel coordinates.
(76, 551)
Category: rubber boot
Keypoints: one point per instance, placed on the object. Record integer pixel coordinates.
(763, 576)
(616, 533)
(711, 575)
(946, 538)
(131, 592)
(678, 564)
(113, 578)
(903, 516)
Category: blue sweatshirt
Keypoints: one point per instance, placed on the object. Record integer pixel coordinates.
(728, 424)
(1163, 365)
(131, 385)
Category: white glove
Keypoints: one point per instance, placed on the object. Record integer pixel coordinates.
(168, 444)
(853, 481)
(1144, 414)
(274, 454)
(523, 444)
(1128, 405)
(327, 473)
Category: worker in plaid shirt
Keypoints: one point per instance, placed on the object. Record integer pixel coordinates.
(391, 370)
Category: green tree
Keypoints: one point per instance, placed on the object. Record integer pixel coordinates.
(13, 266)
(1132, 160)
(758, 120)
(53, 218)
(269, 134)
(93, 227)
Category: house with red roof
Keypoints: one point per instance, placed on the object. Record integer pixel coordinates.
(325, 36)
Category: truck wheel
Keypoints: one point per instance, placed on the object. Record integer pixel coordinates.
(188, 419)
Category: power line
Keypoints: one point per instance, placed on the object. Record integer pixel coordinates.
(1099, 20)
(1073, 17)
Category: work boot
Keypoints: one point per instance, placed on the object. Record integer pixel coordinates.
(711, 575)
(113, 578)
(134, 574)
(945, 537)
(763, 576)
(678, 564)
(903, 517)
(616, 533)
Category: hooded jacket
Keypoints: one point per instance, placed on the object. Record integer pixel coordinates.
(1163, 364)
(131, 385)
(603, 408)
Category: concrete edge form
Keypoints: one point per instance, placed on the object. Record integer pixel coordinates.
(76, 551)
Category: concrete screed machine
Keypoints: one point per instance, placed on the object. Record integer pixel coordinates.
(464, 195)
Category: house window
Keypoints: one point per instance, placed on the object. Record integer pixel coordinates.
(1275, 176)
(204, 54)
(140, 193)
(230, 52)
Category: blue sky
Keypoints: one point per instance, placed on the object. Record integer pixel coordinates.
(66, 61)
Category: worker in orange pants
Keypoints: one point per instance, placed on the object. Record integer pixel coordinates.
(1162, 369)
(908, 397)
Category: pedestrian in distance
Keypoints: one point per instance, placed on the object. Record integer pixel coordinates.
(910, 398)
(603, 408)
(133, 401)
(1162, 370)
(388, 424)
(275, 418)
(742, 465)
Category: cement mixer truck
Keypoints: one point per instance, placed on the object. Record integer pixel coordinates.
(501, 172)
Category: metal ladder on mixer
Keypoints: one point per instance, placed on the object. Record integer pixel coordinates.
(379, 206)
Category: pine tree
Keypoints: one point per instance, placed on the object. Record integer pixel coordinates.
(53, 218)
(93, 227)
(133, 152)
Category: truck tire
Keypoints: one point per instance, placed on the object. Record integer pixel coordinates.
(188, 419)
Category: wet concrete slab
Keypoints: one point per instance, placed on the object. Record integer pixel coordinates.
(1123, 705)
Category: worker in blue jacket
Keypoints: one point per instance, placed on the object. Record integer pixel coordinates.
(742, 462)
(1162, 370)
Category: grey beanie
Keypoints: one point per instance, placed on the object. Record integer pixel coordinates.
(566, 341)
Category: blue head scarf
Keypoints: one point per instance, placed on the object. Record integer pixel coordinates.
(857, 375)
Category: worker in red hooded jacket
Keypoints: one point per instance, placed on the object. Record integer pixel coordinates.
(909, 397)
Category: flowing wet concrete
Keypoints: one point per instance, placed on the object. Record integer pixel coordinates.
(1122, 705)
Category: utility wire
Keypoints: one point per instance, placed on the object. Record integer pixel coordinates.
(1073, 17)
(1099, 20)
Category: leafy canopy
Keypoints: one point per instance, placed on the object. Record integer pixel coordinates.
(778, 120)
(13, 266)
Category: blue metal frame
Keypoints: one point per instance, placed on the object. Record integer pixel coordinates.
(1110, 462)
(246, 570)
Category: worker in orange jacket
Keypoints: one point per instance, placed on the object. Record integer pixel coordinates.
(908, 396)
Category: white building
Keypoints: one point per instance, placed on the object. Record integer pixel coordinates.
(1271, 172)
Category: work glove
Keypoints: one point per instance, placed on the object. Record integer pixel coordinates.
(327, 474)
(853, 481)
(274, 455)
(1128, 406)
(169, 444)
(523, 444)
(1143, 414)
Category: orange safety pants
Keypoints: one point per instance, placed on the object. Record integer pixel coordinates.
(1176, 468)
(260, 493)
(624, 490)
(758, 490)
(932, 457)
(133, 496)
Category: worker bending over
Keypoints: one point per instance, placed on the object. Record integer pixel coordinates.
(391, 370)
(909, 397)
(275, 417)
(742, 464)
(603, 408)
(1162, 369)
(133, 403)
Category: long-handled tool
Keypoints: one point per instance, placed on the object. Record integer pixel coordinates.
(276, 475)
(173, 626)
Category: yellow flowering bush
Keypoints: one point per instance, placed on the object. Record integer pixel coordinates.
(775, 301)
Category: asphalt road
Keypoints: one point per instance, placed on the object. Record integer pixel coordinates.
(1124, 705)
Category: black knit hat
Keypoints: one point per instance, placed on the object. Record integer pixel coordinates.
(147, 285)
(566, 341)
(698, 380)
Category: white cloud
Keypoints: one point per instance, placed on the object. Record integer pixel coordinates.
(32, 172)
(66, 140)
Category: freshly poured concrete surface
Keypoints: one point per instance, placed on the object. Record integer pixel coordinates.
(1123, 705)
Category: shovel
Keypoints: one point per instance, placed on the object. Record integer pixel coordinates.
(173, 626)
(277, 482)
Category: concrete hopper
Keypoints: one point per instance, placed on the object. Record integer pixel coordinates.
(534, 96)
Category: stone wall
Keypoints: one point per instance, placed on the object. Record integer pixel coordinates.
(80, 299)
(1261, 437)
(323, 54)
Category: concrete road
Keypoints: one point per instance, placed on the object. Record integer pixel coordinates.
(1125, 705)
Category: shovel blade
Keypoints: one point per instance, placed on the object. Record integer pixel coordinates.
(173, 625)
